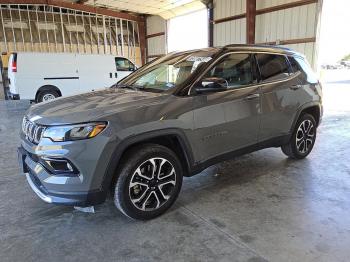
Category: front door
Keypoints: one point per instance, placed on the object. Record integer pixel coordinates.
(227, 120)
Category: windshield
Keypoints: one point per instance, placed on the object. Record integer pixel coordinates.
(167, 72)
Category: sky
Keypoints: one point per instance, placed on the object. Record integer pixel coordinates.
(335, 31)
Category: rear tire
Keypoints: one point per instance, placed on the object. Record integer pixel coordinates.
(47, 95)
(149, 181)
(303, 138)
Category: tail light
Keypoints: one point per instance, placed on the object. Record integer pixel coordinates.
(14, 63)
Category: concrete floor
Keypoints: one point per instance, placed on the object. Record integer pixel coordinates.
(258, 207)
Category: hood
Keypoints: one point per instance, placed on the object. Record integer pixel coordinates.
(91, 106)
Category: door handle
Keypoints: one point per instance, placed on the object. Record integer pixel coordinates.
(295, 87)
(116, 75)
(110, 75)
(252, 96)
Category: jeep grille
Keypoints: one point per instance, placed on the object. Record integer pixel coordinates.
(32, 131)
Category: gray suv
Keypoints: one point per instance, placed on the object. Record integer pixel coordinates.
(171, 118)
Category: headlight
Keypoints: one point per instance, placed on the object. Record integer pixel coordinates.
(74, 132)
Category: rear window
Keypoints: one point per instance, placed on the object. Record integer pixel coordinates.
(272, 67)
(300, 64)
(294, 64)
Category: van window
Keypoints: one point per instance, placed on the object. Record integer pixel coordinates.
(123, 64)
(272, 67)
(236, 69)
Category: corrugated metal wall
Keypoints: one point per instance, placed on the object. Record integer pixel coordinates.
(260, 4)
(289, 24)
(230, 32)
(156, 45)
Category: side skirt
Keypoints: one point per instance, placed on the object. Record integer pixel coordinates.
(274, 142)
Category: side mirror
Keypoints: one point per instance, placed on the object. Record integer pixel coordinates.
(211, 84)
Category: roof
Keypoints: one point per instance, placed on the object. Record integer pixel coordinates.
(262, 48)
(244, 47)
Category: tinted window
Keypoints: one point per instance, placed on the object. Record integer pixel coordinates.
(307, 70)
(123, 64)
(236, 69)
(272, 67)
(169, 71)
(294, 64)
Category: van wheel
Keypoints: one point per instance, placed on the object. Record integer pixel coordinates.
(149, 181)
(303, 138)
(47, 95)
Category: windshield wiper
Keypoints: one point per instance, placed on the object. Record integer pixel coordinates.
(126, 86)
(138, 86)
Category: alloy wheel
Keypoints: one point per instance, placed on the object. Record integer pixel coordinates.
(152, 184)
(305, 136)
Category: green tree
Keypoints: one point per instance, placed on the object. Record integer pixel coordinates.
(346, 58)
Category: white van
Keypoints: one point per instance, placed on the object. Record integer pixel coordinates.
(45, 76)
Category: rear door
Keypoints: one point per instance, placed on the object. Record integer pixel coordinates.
(60, 70)
(124, 67)
(227, 121)
(35, 70)
(279, 87)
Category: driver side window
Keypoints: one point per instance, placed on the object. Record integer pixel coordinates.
(235, 69)
(123, 64)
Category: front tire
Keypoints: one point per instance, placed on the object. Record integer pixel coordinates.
(149, 181)
(303, 138)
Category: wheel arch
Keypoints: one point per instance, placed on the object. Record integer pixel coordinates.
(46, 88)
(174, 139)
(312, 108)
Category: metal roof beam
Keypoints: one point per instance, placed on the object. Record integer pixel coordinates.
(75, 6)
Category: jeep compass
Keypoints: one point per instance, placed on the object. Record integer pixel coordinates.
(171, 118)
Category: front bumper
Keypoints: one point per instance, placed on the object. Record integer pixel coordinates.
(33, 170)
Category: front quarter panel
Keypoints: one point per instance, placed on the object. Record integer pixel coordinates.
(171, 113)
(89, 156)
(172, 116)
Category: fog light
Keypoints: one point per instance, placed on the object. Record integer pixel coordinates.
(59, 166)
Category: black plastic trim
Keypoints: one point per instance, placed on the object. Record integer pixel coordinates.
(127, 143)
(82, 199)
(60, 78)
(306, 106)
(274, 142)
(13, 96)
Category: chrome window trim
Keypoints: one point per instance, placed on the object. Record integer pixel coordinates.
(252, 85)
